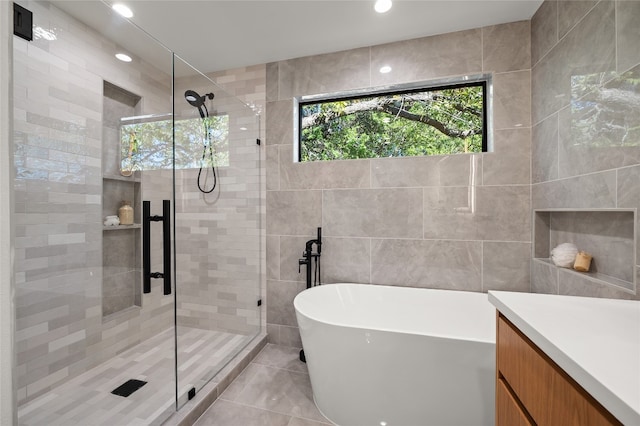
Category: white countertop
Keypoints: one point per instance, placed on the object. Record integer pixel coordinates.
(596, 341)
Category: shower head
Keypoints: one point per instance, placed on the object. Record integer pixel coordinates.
(194, 99)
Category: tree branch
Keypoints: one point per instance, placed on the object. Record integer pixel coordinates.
(389, 106)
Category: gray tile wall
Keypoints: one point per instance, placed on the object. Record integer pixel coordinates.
(454, 222)
(219, 236)
(58, 114)
(583, 52)
(63, 294)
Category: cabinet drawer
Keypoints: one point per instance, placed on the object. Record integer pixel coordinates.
(548, 394)
(508, 412)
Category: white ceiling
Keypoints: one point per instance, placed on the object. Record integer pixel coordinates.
(217, 35)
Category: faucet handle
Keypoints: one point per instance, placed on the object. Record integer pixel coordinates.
(300, 263)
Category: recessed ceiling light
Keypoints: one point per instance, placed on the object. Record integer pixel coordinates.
(382, 6)
(385, 69)
(122, 10)
(123, 57)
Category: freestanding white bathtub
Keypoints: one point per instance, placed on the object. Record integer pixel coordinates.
(380, 355)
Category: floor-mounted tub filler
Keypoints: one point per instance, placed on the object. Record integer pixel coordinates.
(380, 355)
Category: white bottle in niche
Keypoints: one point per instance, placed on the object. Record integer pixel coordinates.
(125, 213)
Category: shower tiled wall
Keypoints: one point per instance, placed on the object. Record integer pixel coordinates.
(63, 328)
(585, 151)
(58, 107)
(219, 242)
(457, 222)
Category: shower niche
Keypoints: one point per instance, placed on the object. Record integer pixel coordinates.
(607, 234)
(121, 244)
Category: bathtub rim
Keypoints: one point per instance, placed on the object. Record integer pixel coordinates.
(487, 340)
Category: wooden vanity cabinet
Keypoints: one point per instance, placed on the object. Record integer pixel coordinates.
(532, 390)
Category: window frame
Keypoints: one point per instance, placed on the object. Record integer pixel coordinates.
(483, 80)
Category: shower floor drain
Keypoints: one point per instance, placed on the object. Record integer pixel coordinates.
(128, 387)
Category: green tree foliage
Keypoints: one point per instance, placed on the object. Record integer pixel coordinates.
(447, 121)
(149, 145)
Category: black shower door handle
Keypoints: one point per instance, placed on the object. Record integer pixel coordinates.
(146, 245)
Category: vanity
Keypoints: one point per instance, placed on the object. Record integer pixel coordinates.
(565, 360)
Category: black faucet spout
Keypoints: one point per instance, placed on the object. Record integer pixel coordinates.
(308, 254)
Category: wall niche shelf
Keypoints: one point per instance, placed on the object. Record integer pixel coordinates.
(134, 178)
(121, 227)
(609, 235)
(122, 277)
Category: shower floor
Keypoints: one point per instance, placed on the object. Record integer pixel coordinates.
(87, 400)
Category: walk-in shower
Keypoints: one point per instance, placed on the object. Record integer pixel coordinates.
(123, 323)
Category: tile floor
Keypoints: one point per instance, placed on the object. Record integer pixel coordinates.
(274, 390)
(87, 400)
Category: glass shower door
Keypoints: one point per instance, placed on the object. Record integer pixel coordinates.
(217, 224)
(92, 345)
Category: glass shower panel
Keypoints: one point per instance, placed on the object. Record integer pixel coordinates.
(217, 218)
(84, 326)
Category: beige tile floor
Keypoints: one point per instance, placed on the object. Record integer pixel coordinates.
(274, 390)
(86, 400)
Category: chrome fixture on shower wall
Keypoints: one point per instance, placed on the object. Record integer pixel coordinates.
(199, 102)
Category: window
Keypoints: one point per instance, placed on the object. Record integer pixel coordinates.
(148, 145)
(420, 120)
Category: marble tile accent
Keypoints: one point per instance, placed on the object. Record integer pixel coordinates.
(570, 13)
(296, 421)
(272, 82)
(293, 212)
(273, 361)
(541, 234)
(373, 213)
(272, 167)
(280, 295)
(575, 284)
(274, 389)
(346, 260)
(544, 30)
(544, 150)
(453, 265)
(587, 49)
(596, 190)
(332, 72)
(224, 412)
(590, 141)
(510, 162)
(283, 357)
(451, 54)
(321, 174)
(628, 192)
(505, 47)
(506, 266)
(628, 34)
(279, 122)
(439, 170)
(512, 100)
(273, 257)
(284, 335)
(477, 213)
(544, 277)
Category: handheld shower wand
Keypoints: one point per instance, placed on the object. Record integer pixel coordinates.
(197, 101)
